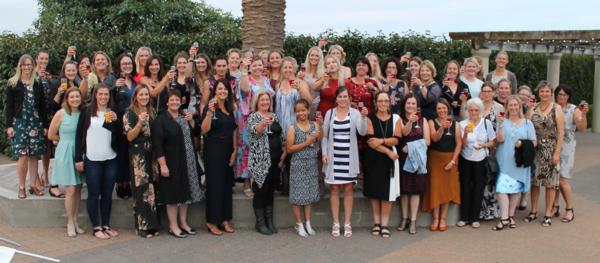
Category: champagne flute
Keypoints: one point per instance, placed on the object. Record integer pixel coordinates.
(174, 82)
(418, 114)
(214, 102)
(361, 105)
(269, 118)
(449, 119)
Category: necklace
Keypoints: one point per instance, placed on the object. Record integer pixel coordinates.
(384, 131)
(545, 108)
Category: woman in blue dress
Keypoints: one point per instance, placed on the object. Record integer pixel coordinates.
(512, 180)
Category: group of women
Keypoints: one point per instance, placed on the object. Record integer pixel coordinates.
(154, 133)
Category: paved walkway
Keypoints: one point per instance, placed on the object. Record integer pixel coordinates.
(575, 242)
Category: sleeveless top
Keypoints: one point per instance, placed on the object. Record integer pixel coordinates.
(448, 142)
(300, 136)
(545, 126)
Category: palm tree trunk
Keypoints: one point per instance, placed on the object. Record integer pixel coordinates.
(263, 24)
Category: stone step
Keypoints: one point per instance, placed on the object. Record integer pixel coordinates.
(47, 211)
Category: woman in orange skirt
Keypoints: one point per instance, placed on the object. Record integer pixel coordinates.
(442, 183)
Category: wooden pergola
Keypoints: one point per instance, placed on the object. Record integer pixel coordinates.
(551, 43)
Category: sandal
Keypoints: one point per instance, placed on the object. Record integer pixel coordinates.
(434, 226)
(385, 232)
(443, 227)
(100, 234)
(568, 220)
(531, 217)
(547, 221)
(413, 227)
(513, 222)
(213, 230)
(502, 224)
(110, 231)
(335, 230)
(145, 234)
(59, 195)
(557, 213)
(22, 194)
(248, 193)
(227, 228)
(347, 230)
(402, 225)
(35, 191)
(376, 230)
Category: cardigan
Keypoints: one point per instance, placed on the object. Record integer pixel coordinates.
(115, 126)
(14, 96)
(359, 124)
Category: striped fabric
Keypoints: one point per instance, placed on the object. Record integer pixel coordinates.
(341, 151)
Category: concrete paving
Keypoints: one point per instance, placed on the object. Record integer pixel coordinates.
(529, 242)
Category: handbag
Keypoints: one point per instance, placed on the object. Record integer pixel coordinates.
(491, 164)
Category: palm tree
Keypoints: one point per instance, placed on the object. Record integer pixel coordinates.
(263, 24)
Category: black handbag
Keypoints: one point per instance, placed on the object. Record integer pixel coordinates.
(491, 164)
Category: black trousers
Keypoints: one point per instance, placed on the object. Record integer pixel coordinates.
(263, 196)
(472, 182)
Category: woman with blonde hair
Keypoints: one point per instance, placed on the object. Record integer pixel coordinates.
(234, 58)
(334, 77)
(375, 68)
(312, 71)
(101, 73)
(338, 52)
(428, 91)
(24, 119)
(514, 133)
(471, 66)
(141, 57)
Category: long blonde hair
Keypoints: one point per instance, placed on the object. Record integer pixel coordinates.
(138, 67)
(375, 71)
(341, 49)
(18, 72)
(340, 72)
(320, 70)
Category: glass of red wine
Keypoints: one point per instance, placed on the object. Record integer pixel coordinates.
(449, 119)
(582, 105)
(418, 114)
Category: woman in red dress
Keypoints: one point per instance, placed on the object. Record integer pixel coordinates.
(332, 79)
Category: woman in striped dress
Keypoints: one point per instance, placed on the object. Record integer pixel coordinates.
(340, 155)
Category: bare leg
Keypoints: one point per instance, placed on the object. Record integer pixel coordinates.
(436, 216)
(183, 216)
(46, 166)
(334, 202)
(70, 196)
(404, 205)
(348, 203)
(567, 192)
(297, 215)
(550, 193)
(307, 212)
(76, 202)
(444, 214)
(414, 206)
(172, 216)
(22, 165)
(386, 209)
(535, 193)
(503, 204)
(376, 209)
(513, 202)
(34, 180)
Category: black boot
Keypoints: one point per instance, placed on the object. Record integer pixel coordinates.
(269, 219)
(260, 222)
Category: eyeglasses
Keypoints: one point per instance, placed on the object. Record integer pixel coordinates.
(126, 64)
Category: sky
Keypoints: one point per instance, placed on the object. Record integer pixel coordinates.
(439, 17)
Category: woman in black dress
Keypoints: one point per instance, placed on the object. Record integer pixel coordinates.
(382, 182)
(454, 90)
(172, 141)
(218, 125)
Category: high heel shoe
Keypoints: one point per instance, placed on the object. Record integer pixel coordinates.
(22, 194)
(568, 220)
(435, 224)
(402, 225)
(60, 195)
(443, 226)
(502, 224)
(413, 227)
(214, 230)
(35, 191)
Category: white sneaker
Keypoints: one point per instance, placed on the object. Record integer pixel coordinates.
(300, 230)
(309, 228)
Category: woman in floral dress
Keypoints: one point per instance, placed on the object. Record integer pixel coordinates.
(137, 122)
(25, 119)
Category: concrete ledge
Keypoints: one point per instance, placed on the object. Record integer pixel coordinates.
(47, 211)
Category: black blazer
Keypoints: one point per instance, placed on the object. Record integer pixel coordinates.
(14, 96)
(115, 127)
